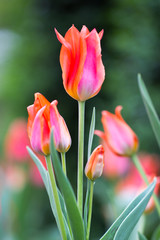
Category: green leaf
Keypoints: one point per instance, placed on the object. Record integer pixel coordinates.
(46, 180)
(68, 194)
(156, 234)
(153, 117)
(141, 236)
(86, 205)
(125, 223)
(91, 133)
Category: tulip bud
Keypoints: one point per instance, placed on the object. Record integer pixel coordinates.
(82, 69)
(120, 137)
(94, 166)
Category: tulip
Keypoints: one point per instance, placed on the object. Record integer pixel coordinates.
(94, 166)
(120, 137)
(44, 115)
(80, 58)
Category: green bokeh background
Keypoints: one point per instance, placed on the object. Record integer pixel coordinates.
(29, 63)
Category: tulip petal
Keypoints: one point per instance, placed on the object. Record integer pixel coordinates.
(62, 40)
(93, 70)
(61, 134)
(84, 31)
(31, 116)
(40, 133)
(101, 34)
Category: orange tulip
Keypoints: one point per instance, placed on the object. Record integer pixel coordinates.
(82, 69)
(44, 115)
(94, 166)
(119, 136)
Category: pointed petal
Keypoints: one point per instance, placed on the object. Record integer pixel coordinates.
(101, 34)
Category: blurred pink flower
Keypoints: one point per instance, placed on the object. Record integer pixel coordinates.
(15, 177)
(133, 183)
(16, 141)
(15, 144)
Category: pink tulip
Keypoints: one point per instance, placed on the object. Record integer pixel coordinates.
(82, 69)
(43, 116)
(119, 136)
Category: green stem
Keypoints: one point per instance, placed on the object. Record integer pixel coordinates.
(143, 174)
(56, 198)
(90, 209)
(81, 108)
(63, 158)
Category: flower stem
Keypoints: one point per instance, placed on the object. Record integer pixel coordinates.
(90, 209)
(63, 158)
(81, 112)
(56, 198)
(143, 175)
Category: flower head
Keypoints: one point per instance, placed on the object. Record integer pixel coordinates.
(81, 62)
(44, 115)
(119, 136)
(94, 166)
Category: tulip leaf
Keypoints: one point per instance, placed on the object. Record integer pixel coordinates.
(156, 234)
(46, 180)
(91, 133)
(68, 194)
(86, 205)
(124, 224)
(141, 236)
(153, 117)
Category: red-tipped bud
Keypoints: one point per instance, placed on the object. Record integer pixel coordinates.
(94, 166)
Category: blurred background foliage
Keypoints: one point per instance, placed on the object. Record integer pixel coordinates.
(29, 63)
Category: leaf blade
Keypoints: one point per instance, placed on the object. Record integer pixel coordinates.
(91, 132)
(109, 235)
(141, 236)
(152, 115)
(46, 180)
(69, 197)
